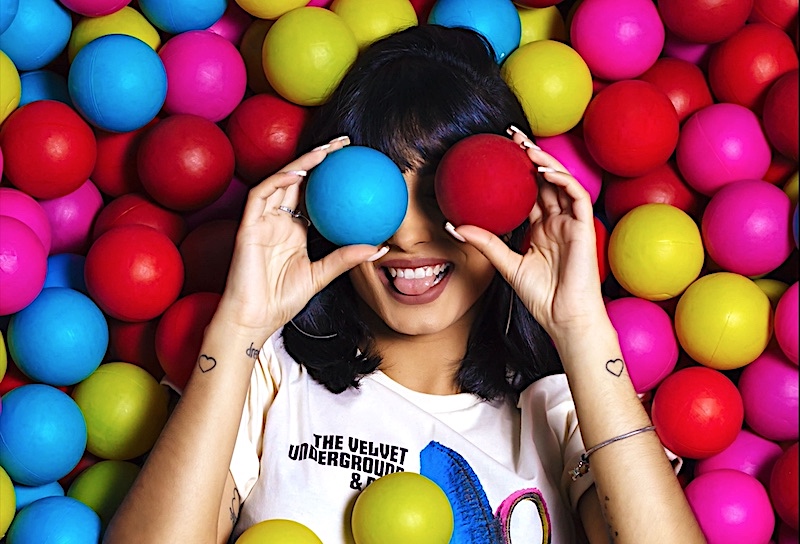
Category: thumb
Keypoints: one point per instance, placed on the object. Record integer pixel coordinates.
(493, 248)
(343, 259)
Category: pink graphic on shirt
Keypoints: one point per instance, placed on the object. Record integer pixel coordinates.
(506, 511)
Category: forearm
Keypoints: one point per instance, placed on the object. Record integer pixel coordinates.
(640, 496)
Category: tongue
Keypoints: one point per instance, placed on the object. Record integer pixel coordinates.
(414, 286)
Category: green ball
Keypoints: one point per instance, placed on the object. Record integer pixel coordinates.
(401, 508)
(278, 531)
(103, 486)
(8, 501)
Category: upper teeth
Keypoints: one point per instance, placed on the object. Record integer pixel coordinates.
(420, 272)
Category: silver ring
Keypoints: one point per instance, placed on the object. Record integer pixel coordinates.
(295, 214)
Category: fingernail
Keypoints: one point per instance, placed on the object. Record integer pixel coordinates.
(530, 145)
(452, 231)
(546, 169)
(322, 147)
(511, 130)
(345, 139)
(381, 252)
(301, 173)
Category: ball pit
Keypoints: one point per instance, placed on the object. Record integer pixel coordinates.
(37, 34)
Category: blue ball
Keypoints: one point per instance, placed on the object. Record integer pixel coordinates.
(26, 494)
(8, 10)
(37, 34)
(496, 20)
(42, 434)
(57, 520)
(60, 338)
(357, 195)
(176, 16)
(117, 82)
(66, 270)
(43, 85)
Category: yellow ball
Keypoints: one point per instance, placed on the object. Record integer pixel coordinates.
(774, 289)
(552, 82)
(126, 21)
(655, 251)
(11, 87)
(250, 49)
(3, 357)
(278, 531)
(306, 53)
(8, 502)
(270, 9)
(723, 321)
(371, 20)
(541, 24)
(103, 486)
(791, 188)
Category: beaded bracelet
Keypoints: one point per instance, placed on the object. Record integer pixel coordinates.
(583, 465)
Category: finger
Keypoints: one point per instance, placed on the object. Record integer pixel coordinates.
(548, 199)
(535, 153)
(341, 260)
(580, 202)
(499, 254)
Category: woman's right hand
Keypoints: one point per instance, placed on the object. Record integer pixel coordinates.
(271, 277)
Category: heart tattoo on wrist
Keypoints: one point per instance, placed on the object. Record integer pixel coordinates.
(206, 363)
(615, 367)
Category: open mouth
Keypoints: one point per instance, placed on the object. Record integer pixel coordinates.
(417, 281)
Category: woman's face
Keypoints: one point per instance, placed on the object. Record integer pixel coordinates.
(428, 281)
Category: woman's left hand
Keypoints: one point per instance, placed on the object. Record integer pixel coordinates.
(557, 277)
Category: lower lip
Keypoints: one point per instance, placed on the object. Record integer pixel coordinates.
(428, 296)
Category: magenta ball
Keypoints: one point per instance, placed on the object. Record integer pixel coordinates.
(618, 39)
(786, 324)
(722, 143)
(570, 150)
(731, 506)
(24, 265)
(647, 338)
(749, 453)
(228, 206)
(746, 227)
(232, 24)
(678, 48)
(769, 389)
(206, 75)
(94, 8)
(319, 3)
(19, 205)
(72, 217)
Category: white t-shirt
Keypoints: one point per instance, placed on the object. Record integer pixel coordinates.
(303, 453)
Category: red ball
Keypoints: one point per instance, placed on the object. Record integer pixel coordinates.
(780, 114)
(134, 343)
(207, 252)
(698, 412)
(115, 172)
(486, 180)
(49, 151)
(630, 128)
(783, 486)
(601, 240)
(781, 13)
(704, 21)
(185, 162)
(780, 169)
(264, 130)
(137, 209)
(133, 273)
(180, 334)
(743, 67)
(683, 82)
(423, 9)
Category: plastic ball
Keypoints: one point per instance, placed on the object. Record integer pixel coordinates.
(264, 131)
(24, 265)
(759, 53)
(117, 82)
(125, 410)
(95, 8)
(126, 21)
(357, 195)
(486, 180)
(49, 150)
(8, 10)
(3, 360)
(134, 272)
(134, 343)
(769, 389)
(43, 85)
(37, 34)
(103, 486)
(115, 172)
(27, 494)
(677, 48)
(783, 486)
(71, 218)
(270, 10)
(21, 206)
(655, 251)
(544, 23)
(774, 289)
(704, 21)
(723, 321)
(178, 16)
(55, 519)
(496, 20)
(684, 84)
(719, 144)
(42, 434)
(86, 461)
(10, 91)
(207, 252)
(630, 128)
(780, 114)
(278, 531)
(185, 162)
(570, 150)
(206, 75)
(250, 48)
(647, 340)
(137, 209)
(601, 242)
(731, 506)
(66, 270)
(232, 24)
(781, 13)
(745, 227)
(749, 453)
(305, 54)
(179, 335)
(697, 411)
(402, 507)
(59, 338)
(7, 502)
(371, 20)
(786, 317)
(228, 206)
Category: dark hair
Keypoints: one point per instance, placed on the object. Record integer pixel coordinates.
(411, 96)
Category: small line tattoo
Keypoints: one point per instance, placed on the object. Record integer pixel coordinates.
(252, 351)
(235, 504)
(615, 367)
(206, 363)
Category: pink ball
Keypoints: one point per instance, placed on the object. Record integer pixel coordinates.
(746, 227)
(71, 218)
(22, 206)
(749, 453)
(229, 206)
(647, 338)
(206, 75)
(232, 24)
(769, 388)
(23, 268)
(1, 163)
(731, 506)
(786, 325)
(94, 8)
(570, 150)
(617, 39)
(722, 143)
(678, 48)
(319, 3)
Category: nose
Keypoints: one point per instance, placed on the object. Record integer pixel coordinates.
(418, 224)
